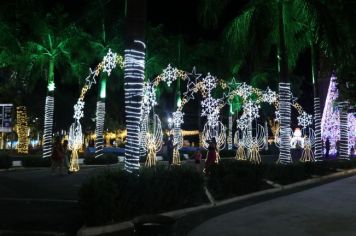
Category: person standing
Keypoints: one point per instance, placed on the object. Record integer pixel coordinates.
(66, 155)
(327, 147)
(57, 156)
(170, 148)
(197, 159)
(211, 157)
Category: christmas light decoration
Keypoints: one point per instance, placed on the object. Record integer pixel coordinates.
(154, 142)
(22, 129)
(217, 132)
(330, 122)
(229, 137)
(254, 142)
(134, 76)
(48, 124)
(269, 96)
(169, 75)
(245, 90)
(242, 122)
(251, 110)
(51, 86)
(109, 62)
(100, 117)
(285, 116)
(307, 155)
(305, 119)
(344, 142)
(193, 80)
(240, 152)
(317, 127)
(75, 142)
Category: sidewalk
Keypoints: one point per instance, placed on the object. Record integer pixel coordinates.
(326, 210)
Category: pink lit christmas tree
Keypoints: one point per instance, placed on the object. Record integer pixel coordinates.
(330, 121)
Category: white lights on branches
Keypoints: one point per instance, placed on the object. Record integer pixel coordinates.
(305, 119)
(170, 74)
(109, 62)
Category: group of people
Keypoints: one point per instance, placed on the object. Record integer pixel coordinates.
(60, 157)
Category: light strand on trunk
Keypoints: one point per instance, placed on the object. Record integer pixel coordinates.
(285, 119)
(48, 125)
(100, 117)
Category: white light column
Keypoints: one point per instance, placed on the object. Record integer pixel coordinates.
(285, 120)
(48, 126)
(317, 128)
(344, 137)
(100, 118)
(134, 76)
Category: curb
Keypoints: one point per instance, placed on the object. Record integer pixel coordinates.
(100, 230)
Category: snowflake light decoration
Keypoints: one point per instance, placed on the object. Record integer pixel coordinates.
(210, 106)
(209, 82)
(169, 75)
(78, 110)
(109, 62)
(244, 90)
(51, 86)
(269, 96)
(305, 119)
(149, 96)
(178, 118)
(251, 110)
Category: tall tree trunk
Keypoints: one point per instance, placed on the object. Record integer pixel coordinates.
(48, 116)
(344, 136)
(100, 117)
(317, 115)
(284, 92)
(229, 135)
(134, 78)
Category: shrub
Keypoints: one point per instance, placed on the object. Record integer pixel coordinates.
(35, 161)
(5, 161)
(118, 195)
(105, 159)
(231, 178)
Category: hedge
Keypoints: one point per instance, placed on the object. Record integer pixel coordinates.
(5, 160)
(35, 161)
(105, 159)
(117, 195)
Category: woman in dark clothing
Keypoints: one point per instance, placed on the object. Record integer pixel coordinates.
(211, 156)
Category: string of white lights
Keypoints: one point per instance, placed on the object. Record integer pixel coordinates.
(344, 142)
(305, 119)
(285, 119)
(75, 141)
(22, 128)
(154, 141)
(134, 65)
(317, 128)
(100, 118)
(229, 137)
(48, 125)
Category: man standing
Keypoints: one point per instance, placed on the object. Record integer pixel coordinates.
(327, 147)
(170, 147)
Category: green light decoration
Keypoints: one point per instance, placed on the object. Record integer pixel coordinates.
(51, 86)
(179, 101)
(103, 88)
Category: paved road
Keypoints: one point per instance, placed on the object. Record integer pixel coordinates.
(34, 199)
(327, 210)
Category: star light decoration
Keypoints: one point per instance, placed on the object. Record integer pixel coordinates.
(193, 80)
(305, 119)
(178, 118)
(109, 62)
(169, 74)
(269, 96)
(251, 109)
(78, 110)
(90, 79)
(232, 86)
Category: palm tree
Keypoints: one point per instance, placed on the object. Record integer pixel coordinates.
(270, 20)
(49, 49)
(134, 77)
(101, 45)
